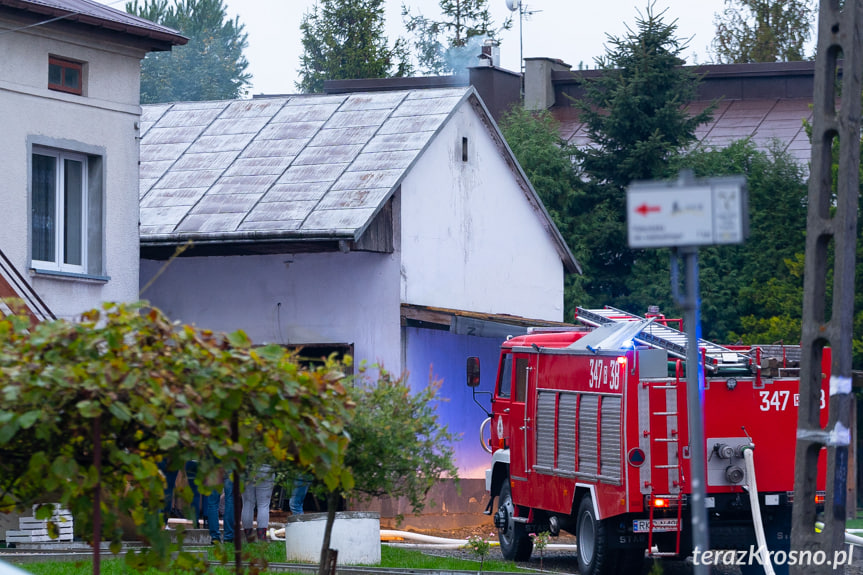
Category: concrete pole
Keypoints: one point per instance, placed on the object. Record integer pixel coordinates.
(694, 401)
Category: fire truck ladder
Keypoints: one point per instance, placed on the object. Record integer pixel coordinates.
(657, 335)
(665, 399)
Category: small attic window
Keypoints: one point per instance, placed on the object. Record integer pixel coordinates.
(65, 75)
(464, 149)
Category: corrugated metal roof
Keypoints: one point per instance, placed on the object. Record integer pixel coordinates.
(293, 167)
(763, 120)
(98, 15)
(307, 167)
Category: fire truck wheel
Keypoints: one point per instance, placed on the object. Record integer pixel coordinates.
(515, 544)
(594, 556)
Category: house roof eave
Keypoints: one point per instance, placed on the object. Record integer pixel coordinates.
(95, 15)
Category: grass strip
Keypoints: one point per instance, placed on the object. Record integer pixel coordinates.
(274, 552)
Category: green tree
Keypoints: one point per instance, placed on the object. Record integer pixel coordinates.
(547, 161)
(763, 30)
(635, 118)
(344, 39)
(754, 291)
(398, 446)
(444, 46)
(210, 67)
(129, 383)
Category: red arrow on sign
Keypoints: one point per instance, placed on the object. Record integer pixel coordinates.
(644, 209)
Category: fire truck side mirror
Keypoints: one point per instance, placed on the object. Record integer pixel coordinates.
(473, 371)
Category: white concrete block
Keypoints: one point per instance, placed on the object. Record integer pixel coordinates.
(356, 535)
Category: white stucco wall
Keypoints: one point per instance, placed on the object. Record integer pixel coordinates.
(102, 122)
(315, 298)
(470, 239)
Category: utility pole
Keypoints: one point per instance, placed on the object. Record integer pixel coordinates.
(830, 219)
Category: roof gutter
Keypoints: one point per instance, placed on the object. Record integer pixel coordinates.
(153, 240)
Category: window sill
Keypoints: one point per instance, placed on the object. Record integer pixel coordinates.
(70, 276)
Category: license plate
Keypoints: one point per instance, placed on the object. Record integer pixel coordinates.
(659, 525)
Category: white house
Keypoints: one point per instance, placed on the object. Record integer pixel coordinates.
(69, 111)
(396, 227)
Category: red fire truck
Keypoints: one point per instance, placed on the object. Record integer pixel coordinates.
(589, 434)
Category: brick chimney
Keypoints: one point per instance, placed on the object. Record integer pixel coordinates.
(538, 89)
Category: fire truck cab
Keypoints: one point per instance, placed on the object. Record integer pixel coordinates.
(589, 434)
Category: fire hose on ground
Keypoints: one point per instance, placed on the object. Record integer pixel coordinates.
(752, 487)
(749, 460)
(430, 541)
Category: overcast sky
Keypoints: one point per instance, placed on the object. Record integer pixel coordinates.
(571, 30)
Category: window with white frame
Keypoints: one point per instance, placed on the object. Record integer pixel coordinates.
(62, 224)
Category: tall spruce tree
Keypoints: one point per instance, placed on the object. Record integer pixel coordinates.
(444, 46)
(753, 291)
(635, 119)
(210, 67)
(344, 39)
(763, 30)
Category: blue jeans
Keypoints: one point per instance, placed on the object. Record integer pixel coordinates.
(298, 494)
(213, 512)
(257, 492)
(191, 468)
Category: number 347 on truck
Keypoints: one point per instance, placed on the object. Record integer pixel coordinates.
(589, 434)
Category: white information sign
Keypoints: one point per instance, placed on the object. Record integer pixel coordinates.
(671, 215)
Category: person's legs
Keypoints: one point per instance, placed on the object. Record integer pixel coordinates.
(263, 494)
(170, 480)
(229, 509)
(298, 494)
(191, 472)
(247, 517)
(213, 516)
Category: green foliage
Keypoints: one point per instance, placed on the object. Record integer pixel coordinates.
(636, 121)
(547, 160)
(345, 40)
(210, 67)
(763, 30)
(147, 389)
(398, 446)
(754, 291)
(449, 44)
(634, 112)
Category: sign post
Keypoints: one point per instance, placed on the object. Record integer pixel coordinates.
(683, 215)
